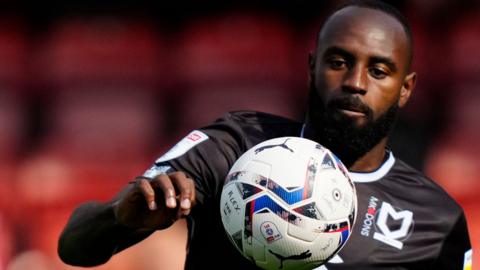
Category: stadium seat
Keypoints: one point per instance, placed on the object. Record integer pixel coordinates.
(7, 244)
(463, 43)
(95, 125)
(103, 121)
(231, 62)
(201, 106)
(13, 124)
(105, 75)
(14, 52)
(82, 50)
(235, 46)
(14, 55)
(31, 259)
(453, 159)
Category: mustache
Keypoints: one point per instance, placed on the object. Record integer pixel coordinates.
(353, 103)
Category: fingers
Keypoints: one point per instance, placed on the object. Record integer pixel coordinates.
(178, 191)
(165, 183)
(186, 190)
(148, 193)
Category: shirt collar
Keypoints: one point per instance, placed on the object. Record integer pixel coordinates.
(360, 177)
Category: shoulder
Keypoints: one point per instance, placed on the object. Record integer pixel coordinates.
(423, 188)
(252, 127)
(256, 117)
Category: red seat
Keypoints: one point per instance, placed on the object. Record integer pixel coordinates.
(235, 46)
(236, 61)
(104, 74)
(14, 52)
(14, 55)
(111, 125)
(453, 158)
(464, 41)
(203, 105)
(7, 242)
(13, 125)
(84, 50)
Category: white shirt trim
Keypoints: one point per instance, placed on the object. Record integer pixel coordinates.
(371, 176)
(192, 139)
(375, 175)
(302, 132)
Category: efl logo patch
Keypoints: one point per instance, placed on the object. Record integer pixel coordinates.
(270, 231)
(193, 138)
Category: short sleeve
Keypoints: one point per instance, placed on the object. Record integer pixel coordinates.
(206, 155)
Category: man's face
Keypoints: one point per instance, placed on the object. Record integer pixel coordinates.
(358, 80)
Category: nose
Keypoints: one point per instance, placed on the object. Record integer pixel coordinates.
(355, 80)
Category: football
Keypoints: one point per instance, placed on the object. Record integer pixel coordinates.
(288, 203)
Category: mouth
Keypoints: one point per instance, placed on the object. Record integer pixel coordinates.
(351, 110)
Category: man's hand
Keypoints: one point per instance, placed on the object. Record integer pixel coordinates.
(155, 204)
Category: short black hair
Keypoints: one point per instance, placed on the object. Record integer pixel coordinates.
(381, 6)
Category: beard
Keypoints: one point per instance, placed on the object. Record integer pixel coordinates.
(340, 134)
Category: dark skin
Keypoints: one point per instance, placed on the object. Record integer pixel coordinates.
(361, 52)
(366, 53)
(99, 230)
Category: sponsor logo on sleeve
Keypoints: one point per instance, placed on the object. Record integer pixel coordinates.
(155, 170)
(467, 260)
(194, 138)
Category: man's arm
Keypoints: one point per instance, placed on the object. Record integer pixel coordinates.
(92, 235)
(454, 254)
(96, 231)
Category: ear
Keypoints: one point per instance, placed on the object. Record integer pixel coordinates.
(407, 89)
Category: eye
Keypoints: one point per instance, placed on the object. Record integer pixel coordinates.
(378, 73)
(336, 63)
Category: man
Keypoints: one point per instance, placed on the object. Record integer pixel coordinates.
(359, 78)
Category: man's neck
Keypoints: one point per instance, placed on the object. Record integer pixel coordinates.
(369, 162)
(372, 160)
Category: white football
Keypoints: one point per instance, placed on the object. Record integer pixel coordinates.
(288, 203)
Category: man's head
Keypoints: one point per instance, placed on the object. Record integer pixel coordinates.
(360, 76)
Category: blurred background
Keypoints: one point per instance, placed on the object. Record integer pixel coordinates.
(92, 92)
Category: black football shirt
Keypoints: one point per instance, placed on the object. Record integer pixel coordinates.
(404, 220)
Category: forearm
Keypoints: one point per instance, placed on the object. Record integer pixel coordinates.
(92, 236)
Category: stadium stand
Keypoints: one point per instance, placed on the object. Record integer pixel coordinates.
(226, 60)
